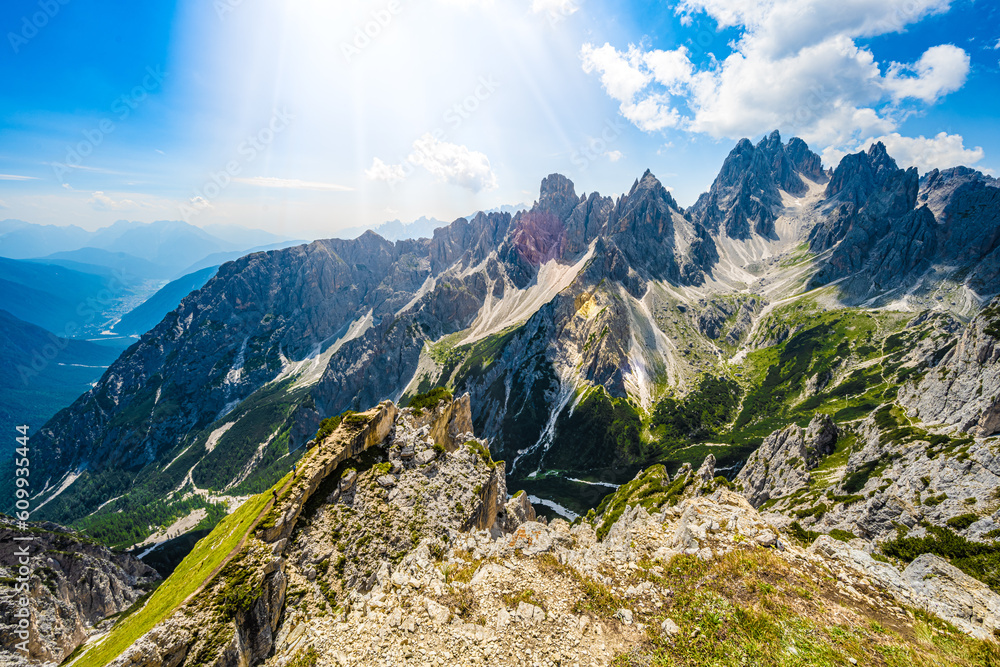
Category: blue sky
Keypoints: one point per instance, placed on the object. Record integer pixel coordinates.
(289, 117)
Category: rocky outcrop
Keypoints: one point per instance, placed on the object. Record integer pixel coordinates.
(74, 588)
(378, 490)
(929, 583)
(728, 319)
(897, 475)
(355, 436)
(961, 389)
(943, 589)
(450, 422)
(782, 463)
(516, 512)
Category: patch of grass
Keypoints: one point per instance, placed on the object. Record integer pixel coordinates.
(429, 399)
(527, 595)
(305, 658)
(749, 608)
(842, 535)
(207, 554)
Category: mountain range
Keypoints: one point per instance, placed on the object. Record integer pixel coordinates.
(797, 375)
(595, 335)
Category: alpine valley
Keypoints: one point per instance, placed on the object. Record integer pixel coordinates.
(770, 419)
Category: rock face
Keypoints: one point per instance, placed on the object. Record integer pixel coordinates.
(75, 585)
(963, 388)
(954, 596)
(370, 517)
(886, 482)
(887, 229)
(782, 463)
(745, 197)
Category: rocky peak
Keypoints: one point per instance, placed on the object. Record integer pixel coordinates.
(859, 176)
(804, 161)
(557, 196)
(468, 242)
(642, 226)
(745, 198)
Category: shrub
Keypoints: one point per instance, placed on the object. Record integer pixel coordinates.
(429, 399)
(977, 559)
(963, 521)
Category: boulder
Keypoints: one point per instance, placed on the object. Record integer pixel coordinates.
(963, 601)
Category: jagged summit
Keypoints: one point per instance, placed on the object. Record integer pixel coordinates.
(745, 198)
(557, 196)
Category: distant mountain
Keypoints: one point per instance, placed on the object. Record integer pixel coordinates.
(421, 228)
(506, 208)
(146, 316)
(22, 240)
(394, 230)
(64, 301)
(219, 258)
(41, 373)
(245, 237)
(101, 262)
(170, 245)
(166, 242)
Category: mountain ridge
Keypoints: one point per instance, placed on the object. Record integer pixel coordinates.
(580, 306)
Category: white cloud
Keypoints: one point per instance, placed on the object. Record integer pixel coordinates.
(795, 66)
(101, 202)
(292, 184)
(939, 152)
(625, 75)
(3, 204)
(15, 177)
(614, 156)
(452, 163)
(449, 163)
(621, 73)
(380, 171)
(200, 203)
(941, 70)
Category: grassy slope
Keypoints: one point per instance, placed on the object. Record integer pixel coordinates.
(752, 607)
(207, 555)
